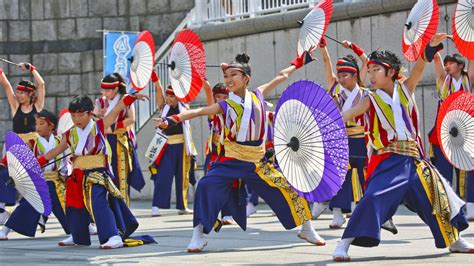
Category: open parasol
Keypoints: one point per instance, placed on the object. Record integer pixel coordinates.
(25, 171)
(463, 28)
(314, 25)
(142, 60)
(420, 26)
(310, 141)
(188, 65)
(455, 129)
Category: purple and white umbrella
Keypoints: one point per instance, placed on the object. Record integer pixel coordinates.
(25, 171)
(310, 139)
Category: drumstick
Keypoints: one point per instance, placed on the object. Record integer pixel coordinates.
(9, 62)
(170, 65)
(69, 154)
(332, 39)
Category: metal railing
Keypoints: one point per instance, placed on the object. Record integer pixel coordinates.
(215, 11)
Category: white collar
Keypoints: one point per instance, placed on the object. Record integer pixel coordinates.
(112, 103)
(351, 95)
(49, 143)
(82, 135)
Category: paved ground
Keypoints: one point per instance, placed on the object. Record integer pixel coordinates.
(264, 242)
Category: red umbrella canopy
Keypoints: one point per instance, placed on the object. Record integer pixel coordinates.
(188, 65)
(455, 127)
(142, 60)
(314, 25)
(420, 26)
(463, 28)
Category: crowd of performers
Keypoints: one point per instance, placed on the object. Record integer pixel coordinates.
(90, 189)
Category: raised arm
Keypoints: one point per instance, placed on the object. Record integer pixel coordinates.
(39, 84)
(362, 56)
(208, 89)
(470, 71)
(439, 69)
(329, 74)
(298, 62)
(431, 50)
(360, 108)
(160, 98)
(7, 87)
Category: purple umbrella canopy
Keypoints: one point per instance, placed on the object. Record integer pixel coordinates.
(25, 171)
(310, 139)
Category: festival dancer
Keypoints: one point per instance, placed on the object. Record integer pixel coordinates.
(451, 77)
(25, 219)
(126, 168)
(346, 88)
(25, 102)
(398, 170)
(243, 141)
(90, 191)
(214, 95)
(176, 159)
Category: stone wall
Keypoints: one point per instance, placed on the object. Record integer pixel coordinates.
(60, 38)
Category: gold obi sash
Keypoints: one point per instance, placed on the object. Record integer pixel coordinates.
(28, 136)
(88, 162)
(119, 131)
(245, 153)
(51, 176)
(355, 132)
(175, 139)
(405, 147)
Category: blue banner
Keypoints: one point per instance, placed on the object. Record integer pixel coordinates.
(117, 51)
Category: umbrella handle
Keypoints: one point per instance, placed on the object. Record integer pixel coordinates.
(59, 159)
(9, 62)
(332, 39)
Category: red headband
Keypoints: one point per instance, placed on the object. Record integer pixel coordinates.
(345, 66)
(109, 86)
(46, 119)
(346, 69)
(169, 92)
(378, 63)
(24, 88)
(220, 91)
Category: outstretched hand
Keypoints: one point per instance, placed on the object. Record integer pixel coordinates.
(141, 97)
(346, 44)
(160, 123)
(438, 38)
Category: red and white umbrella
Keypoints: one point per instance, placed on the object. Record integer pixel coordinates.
(187, 65)
(142, 60)
(65, 121)
(420, 26)
(463, 28)
(314, 25)
(455, 129)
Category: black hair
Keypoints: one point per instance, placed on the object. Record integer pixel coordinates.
(456, 58)
(81, 103)
(388, 57)
(242, 62)
(351, 58)
(219, 86)
(48, 115)
(31, 85)
(114, 77)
